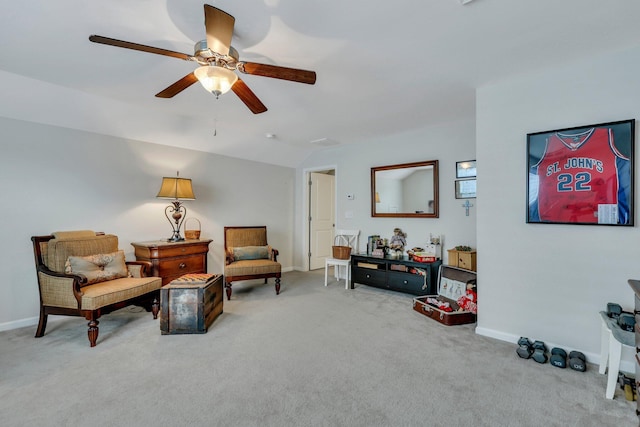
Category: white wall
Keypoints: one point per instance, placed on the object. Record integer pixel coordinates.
(548, 282)
(60, 179)
(446, 143)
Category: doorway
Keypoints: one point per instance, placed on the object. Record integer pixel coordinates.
(320, 215)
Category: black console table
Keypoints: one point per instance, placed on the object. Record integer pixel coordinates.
(398, 274)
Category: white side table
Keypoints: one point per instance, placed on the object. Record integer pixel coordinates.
(612, 338)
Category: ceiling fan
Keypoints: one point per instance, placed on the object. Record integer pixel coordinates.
(218, 60)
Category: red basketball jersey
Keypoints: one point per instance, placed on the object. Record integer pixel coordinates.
(577, 174)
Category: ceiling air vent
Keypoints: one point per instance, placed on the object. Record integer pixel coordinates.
(324, 142)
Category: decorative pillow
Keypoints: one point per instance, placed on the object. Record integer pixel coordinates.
(251, 252)
(98, 268)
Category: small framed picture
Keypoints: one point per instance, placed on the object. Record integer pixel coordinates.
(466, 169)
(466, 189)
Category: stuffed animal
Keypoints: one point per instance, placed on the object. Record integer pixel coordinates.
(469, 301)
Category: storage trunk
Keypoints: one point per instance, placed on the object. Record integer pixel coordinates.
(190, 308)
(451, 285)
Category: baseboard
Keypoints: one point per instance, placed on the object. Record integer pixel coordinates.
(15, 324)
(627, 364)
(499, 335)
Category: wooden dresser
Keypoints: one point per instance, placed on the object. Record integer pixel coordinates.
(171, 260)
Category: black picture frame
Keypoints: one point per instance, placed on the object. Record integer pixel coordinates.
(582, 175)
(466, 169)
(465, 189)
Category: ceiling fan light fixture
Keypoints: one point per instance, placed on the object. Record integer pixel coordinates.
(214, 79)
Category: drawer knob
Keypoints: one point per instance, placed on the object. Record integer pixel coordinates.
(182, 265)
(405, 281)
(368, 276)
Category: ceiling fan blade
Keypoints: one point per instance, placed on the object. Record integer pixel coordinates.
(276, 72)
(140, 47)
(178, 86)
(247, 96)
(219, 25)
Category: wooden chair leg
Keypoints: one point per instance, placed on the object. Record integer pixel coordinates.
(92, 333)
(277, 286)
(155, 308)
(227, 287)
(42, 323)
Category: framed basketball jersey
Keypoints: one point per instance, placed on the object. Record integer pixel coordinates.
(581, 175)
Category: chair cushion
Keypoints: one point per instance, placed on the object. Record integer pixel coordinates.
(254, 267)
(59, 250)
(99, 267)
(102, 294)
(250, 252)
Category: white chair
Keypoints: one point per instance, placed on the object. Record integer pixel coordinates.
(352, 241)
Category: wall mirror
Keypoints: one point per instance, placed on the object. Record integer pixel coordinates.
(405, 191)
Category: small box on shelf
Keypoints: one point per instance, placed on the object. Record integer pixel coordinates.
(462, 259)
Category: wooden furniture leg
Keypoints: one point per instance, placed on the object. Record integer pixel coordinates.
(227, 288)
(92, 333)
(42, 323)
(155, 308)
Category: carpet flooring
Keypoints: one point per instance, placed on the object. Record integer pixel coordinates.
(312, 356)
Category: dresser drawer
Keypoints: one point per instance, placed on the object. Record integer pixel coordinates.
(407, 282)
(182, 265)
(369, 276)
(171, 251)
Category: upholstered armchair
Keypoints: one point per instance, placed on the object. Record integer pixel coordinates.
(248, 256)
(82, 273)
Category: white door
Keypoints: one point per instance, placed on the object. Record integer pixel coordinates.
(321, 218)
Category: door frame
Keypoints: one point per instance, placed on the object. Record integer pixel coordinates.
(306, 176)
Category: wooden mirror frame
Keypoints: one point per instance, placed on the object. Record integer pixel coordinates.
(434, 214)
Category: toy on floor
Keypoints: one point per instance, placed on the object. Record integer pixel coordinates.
(469, 301)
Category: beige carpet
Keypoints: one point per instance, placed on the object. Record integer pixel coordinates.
(312, 356)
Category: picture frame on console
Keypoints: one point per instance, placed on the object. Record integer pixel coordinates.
(582, 175)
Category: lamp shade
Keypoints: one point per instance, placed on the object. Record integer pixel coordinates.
(217, 80)
(176, 188)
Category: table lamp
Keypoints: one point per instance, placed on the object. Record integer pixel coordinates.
(176, 188)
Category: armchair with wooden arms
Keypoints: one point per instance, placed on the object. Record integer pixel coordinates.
(248, 256)
(82, 273)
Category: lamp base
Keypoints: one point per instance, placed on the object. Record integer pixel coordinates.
(178, 215)
(176, 237)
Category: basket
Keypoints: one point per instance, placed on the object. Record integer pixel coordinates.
(192, 234)
(340, 252)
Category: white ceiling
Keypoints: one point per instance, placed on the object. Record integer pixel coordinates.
(382, 67)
